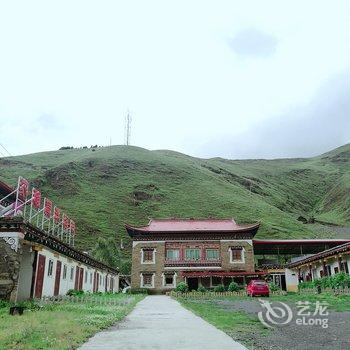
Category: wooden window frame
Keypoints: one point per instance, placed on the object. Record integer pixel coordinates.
(142, 282)
(147, 262)
(235, 261)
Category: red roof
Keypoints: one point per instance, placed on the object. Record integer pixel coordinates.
(192, 225)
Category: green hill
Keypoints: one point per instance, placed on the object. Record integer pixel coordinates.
(102, 188)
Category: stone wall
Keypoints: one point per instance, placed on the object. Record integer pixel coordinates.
(157, 267)
(248, 264)
(9, 270)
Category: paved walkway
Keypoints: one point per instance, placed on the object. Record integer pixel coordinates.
(159, 323)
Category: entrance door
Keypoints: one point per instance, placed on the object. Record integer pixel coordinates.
(77, 277)
(81, 279)
(57, 278)
(40, 277)
(192, 283)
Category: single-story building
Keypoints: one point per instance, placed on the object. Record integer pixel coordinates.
(325, 263)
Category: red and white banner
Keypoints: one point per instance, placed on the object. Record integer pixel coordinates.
(47, 207)
(56, 215)
(36, 198)
(42, 214)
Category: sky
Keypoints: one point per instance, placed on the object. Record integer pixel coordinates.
(234, 79)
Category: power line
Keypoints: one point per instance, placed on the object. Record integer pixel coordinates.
(6, 150)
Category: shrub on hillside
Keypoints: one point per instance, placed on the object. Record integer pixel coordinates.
(274, 287)
(219, 288)
(201, 289)
(339, 280)
(76, 293)
(233, 287)
(182, 287)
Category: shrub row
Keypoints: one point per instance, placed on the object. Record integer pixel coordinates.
(339, 280)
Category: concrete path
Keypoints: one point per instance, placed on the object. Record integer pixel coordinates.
(161, 323)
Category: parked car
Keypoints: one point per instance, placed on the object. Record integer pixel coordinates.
(258, 287)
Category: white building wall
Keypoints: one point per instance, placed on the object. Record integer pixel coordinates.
(25, 273)
(68, 282)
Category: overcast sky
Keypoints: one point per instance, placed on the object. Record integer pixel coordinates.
(236, 79)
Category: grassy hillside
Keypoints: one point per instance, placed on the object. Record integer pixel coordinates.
(105, 187)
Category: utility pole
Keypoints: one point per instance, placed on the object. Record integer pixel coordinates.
(127, 129)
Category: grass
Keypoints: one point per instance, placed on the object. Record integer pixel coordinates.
(104, 188)
(59, 326)
(340, 303)
(237, 324)
(242, 326)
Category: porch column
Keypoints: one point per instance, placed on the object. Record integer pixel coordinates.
(310, 271)
(340, 263)
(325, 272)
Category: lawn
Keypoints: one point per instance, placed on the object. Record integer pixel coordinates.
(245, 327)
(62, 325)
(237, 324)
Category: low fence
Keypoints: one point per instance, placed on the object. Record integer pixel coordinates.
(206, 295)
(335, 291)
(86, 299)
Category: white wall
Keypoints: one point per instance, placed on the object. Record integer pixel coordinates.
(68, 282)
(25, 273)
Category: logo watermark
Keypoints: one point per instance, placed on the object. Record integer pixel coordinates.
(307, 314)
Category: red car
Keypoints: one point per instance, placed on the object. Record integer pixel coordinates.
(258, 287)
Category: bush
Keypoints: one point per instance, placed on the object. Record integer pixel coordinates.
(139, 291)
(274, 287)
(182, 287)
(233, 287)
(201, 289)
(219, 288)
(76, 293)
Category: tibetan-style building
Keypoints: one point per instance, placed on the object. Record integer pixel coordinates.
(205, 252)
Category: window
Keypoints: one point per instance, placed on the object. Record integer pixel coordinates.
(90, 277)
(86, 277)
(147, 280)
(192, 254)
(148, 256)
(50, 268)
(71, 273)
(169, 280)
(64, 276)
(212, 254)
(237, 255)
(173, 254)
(336, 269)
(329, 270)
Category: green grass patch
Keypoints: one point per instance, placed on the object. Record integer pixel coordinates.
(237, 324)
(336, 302)
(60, 326)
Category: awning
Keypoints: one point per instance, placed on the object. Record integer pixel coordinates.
(221, 274)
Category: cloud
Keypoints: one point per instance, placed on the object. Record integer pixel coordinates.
(304, 131)
(252, 42)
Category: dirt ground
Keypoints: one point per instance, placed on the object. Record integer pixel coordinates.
(293, 336)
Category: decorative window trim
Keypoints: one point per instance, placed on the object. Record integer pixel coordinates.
(214, 249)
(50, 271)
(141, 280)
(71, 274)
(64, 273)
(242, 261)
(173, 285)
(153, 261)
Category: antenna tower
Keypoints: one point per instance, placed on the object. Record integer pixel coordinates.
(127, 129)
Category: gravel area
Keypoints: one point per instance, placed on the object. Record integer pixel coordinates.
(293, 336)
